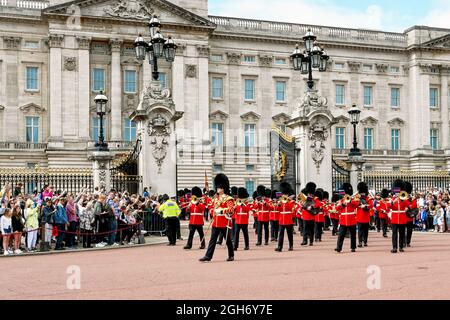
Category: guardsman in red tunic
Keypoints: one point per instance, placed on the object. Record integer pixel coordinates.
(347, 217)
(319, 218)
(411, 213)
(274, 217)
(241, 213)
(334, 215)
(363, 213)
(254, 210)
(264, 207)
(286, 208)
(400, 204)
(197, 210)
(223, 209)
(383, 208)
(298, 214)
(311, 206)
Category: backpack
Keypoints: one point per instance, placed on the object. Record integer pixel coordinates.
(60, 216)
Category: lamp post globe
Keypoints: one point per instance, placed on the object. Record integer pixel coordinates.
(100, 104)
(354, 113)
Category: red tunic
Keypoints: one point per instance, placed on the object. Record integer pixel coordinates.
(363, 216)
(320, 217)
(264, 210)
(197, 213)
(412, 206)
(306, 215)
(286, 213)
(399, 211)
(274, 214)
(298, 210)
(383, 207)
(241, 213)
(347, 214)
(333, 213)
(226, 205)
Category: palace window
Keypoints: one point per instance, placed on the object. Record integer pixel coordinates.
(249, 89)
(434, 139)
(249, 59)
(368, 96)
(250, 135)
(163, 79)
(395, 97)
(32, 82)
(340, 94)
(217, 88)
(98, 76)
(434, 97)
(250, 186)
(395, 139)
(280, 61)
(368, 138)
(32, 129)
(217, 134)
(281, 91)
(129, 133)
(216, 57)
(130, 81)
(340, 138)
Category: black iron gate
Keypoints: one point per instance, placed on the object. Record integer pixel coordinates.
(124, 175)
(282, 159)
(339, 175)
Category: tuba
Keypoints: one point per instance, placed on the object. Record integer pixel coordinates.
(403, 195)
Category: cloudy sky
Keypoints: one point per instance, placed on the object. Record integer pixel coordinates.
(387, 15)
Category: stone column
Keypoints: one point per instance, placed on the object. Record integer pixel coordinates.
(311, 126)
(84, 87)
(356, 166)
(203, 94)
(55, 44)
(445, 132)
(116, 91)
(101, 161)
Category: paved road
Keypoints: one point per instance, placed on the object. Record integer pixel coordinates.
(161, 272)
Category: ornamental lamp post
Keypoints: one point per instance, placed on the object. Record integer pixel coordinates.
(100, 103)
(354, 113)
(158, 47)
(313, 57)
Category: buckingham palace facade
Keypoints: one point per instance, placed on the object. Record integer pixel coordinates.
(232, 78)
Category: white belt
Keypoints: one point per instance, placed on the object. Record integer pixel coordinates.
(286, 212)
(402, 211)
(196, 214)
(347, 213)
(263, 211)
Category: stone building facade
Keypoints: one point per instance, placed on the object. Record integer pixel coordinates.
(231, 77)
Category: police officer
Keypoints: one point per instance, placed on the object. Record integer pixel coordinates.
(170, 212)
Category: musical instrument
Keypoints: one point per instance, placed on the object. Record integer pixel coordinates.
(302, 197)
(403, 195)
(308, 205)
(347, 198)
(239, 202)
(284, 198)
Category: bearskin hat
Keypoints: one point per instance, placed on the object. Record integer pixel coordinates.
(242, 193)
(221, 181)
(335, 197)
(180, 193)
(186, 191)
(234, 191)
(286, 188)
(255, 195)
(399, 185)
(273, 194)
(363, 188)
(310, 188)
(384, 193)
(196, 191)
(347, 188)
(268, 193)
(319, 194)
(211, 193)
(261, 190)
(408, 187)
(326, 195)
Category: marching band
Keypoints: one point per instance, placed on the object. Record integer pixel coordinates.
(348, 214)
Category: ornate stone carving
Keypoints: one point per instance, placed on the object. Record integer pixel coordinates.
(70, 63)
(159, 130)
(265, 61)
(318, 134)
(181, 47)
(218, 116)
(12, 42)
(129, 9)
(371, 121)
(102, 174)
(55, 40)
(191, 71)
(342, 120)
(234, 57)
(250, 116)
(84, 43)
(281, 118)
(311, 101)
(354, 66)
(203, 51)
(381, 67)
(115, 44)
(396, 122)
(27, 108)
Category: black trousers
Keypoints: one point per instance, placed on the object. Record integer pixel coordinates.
(274, 228)
(171, 229)
(255, 225)
(300, 226)
(266, 232)
(87, 237)
(384, 225)
(199, 229)
(363, 232)
(213, 241)
(206, 214)
(335, 223)
(398, 231)
(308, 231)
(178, 226)
(327, 222)
(409, 231)
(342, 232)
(244, 228)
(318, 230)
(378, 223)
(290, 234)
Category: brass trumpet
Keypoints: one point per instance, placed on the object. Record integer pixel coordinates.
(239, 202)
(347, 198)
(403, 195)
(285, 198)
(302, 197)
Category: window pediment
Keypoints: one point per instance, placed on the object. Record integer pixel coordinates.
(218, 116)
(343, 120)
(396, 122)
(31, 106)
(281, 118)
(250, 116)
(371, 121)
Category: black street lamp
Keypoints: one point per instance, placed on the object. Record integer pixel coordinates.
(313, 57)
(100, 103)
(354, 113)
(158, 47)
